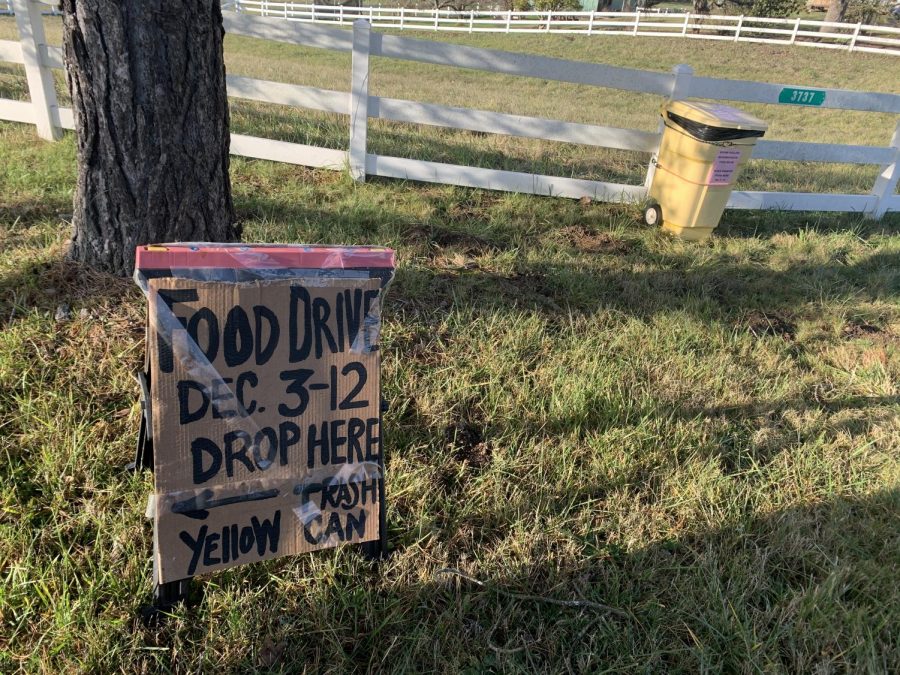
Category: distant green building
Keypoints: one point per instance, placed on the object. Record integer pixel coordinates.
(601, 6)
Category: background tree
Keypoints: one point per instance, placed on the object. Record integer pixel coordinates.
(869, 11)
(147, 80)
(455, 5)
(773, 8)
(557, 5)
(837, 11)
(545, 5)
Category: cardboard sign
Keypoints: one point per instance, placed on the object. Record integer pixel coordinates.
(266, 418)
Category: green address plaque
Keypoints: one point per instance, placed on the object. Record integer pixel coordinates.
(801, 96)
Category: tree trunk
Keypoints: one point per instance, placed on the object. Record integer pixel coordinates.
(147, 80)
(836, 12)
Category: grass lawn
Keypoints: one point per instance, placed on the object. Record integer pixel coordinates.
(698, 442)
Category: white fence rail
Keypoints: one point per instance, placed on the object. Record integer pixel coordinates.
(653, 22)
(823, 34)
(6, 7)
(360, 106)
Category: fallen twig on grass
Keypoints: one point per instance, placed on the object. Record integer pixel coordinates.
(583, 604)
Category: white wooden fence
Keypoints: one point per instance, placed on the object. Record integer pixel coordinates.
(43, 111)
(652, 22)
(823, 34)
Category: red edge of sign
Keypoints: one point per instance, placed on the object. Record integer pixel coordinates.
(261, 256)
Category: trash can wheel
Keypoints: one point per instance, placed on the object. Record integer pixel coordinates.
(653, 215)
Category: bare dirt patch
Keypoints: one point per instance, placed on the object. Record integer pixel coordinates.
(589, 241)
(464, 436)
(770, 323)
(863, 329)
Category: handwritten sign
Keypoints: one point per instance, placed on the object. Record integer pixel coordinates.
(266, 418)
(724, 167)
(795, 96)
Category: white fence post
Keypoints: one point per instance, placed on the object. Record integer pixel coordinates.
(549, 19)
(681, 86)
(637, 21)
(471, 20)
(359, 99)
(591, 24)
(687, 20)
(855, 36)
(737, 30)
(794, 32)
(41, 84)
(886, 184)
(681, 89)
(508, 20)
(402, 16)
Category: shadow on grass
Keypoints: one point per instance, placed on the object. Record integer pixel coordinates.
(741, 223)
(16, 214)
(49, 283)
(722, 291)
(804, 589)
(768, 408)
(739, 440)
(735, 296)
(453, 224)
(854, 415)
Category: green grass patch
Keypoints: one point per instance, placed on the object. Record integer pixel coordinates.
(585, 414)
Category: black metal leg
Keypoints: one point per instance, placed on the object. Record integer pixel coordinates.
(171, 593)
(143, 454)
(377, 550)
(165, 597)
(372, 550)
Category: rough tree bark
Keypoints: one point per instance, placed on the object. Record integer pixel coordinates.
(147, 80)
(836, 11)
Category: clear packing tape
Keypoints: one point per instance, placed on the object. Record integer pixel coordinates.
(265, 400)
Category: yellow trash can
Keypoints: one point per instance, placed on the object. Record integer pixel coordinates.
(704, 146)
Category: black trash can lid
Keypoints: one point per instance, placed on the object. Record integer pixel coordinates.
(712, 122)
